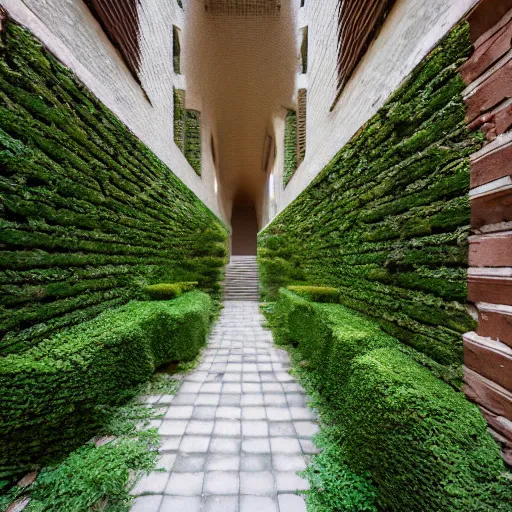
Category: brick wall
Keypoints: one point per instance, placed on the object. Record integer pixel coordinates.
(488, 97)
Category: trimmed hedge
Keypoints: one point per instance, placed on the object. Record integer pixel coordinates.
(51, 391)
(317, 293)
(89, 215)
(167, 291)
(290, 146)
(386, 221)
(425, 446)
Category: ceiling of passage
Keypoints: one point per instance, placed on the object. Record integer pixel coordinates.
(240, 59)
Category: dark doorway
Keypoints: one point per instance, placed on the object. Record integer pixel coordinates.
(245, 229)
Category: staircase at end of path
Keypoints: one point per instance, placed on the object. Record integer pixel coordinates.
(241, 280)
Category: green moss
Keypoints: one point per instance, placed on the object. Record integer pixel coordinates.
(89, 215)
(167, 291)
(389, 420)
(290, 146)
(192, 149)
(316, 293)
(386, 221)
(50, 391)
(435, 453)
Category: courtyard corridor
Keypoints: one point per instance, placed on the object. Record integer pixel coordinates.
(238, 429)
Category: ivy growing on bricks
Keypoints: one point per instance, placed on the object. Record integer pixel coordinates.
(187, 131)
(88, 213)
(386, 222)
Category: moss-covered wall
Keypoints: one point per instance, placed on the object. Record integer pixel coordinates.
(88, 213)
(290, 146)
(387, 220)
(187, 131)
(193, 140)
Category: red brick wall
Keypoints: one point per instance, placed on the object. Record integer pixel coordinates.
(488, 352)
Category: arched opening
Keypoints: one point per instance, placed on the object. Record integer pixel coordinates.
(244, 224)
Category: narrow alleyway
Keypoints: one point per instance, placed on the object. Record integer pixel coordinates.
(237, 431)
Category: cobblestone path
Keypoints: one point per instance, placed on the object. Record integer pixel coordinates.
(238, 429)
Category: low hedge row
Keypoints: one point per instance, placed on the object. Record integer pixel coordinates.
(425, 445)
(52, 392)
(89, 214)
(386, 221)
(168, 291)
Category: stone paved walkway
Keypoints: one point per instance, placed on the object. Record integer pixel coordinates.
(237, 431)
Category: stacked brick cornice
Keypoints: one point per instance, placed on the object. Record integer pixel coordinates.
(488, 351)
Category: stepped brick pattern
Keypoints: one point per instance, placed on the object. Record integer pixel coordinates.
(88, 214)
(237, 431)
(387, 220)
(241, 282)
(488, 351)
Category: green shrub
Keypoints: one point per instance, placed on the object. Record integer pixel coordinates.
(50, 391)
(329, 337)
(167, 291)
(317, 293)
(426, 446)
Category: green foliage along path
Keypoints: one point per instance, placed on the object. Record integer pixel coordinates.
(386, 222)
(88, 213)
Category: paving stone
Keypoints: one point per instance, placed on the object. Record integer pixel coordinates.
(179, 412)
(185, 399)
(180, 504)
(153, 483)
(166, 461)
(211, 387)
(257, 504)
(281, 429)
(220, 504)
(278, 414)
(173, 427)
(185, 484)
(147, 504)
(305, 428)
(236, 432)
(291, 503)
(210, 399)
(170, 443)
(302, 413)
(195, 444)
(199, 427)
(232, 387)
(227, 428)
(256, 462)
(285, 445)
(254, 413)
(222, 482)
(257, 428)
(228, 413)
(257, 483)
(257, 445)
(251, 387)
(230, 400)
(221, 462)
(290, 482)
(225, 445)
(204, 413)
(252, 400)
(276, 400)
(186, 463)
(308, 446)
(288, 462)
